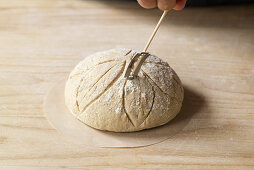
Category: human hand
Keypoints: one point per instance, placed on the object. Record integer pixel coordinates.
(163, 4)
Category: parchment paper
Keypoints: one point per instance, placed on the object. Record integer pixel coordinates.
(60, 118)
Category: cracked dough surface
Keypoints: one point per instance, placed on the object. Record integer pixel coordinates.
(97, 93)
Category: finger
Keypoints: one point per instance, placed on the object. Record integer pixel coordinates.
(180, 4)
(148, 3)
(166, 4)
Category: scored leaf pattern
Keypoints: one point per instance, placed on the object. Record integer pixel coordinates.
(138, 99)
(138, 96)
(94, 90)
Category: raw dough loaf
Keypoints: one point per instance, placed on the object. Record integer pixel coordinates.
(97, 93)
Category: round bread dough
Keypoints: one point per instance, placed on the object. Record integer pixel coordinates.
(97, 93)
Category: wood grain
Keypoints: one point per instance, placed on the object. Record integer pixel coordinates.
(210, 48)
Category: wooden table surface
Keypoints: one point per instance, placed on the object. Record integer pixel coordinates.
(211, 49)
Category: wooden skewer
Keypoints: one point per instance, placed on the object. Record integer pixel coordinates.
(150, 39)
(155, 30)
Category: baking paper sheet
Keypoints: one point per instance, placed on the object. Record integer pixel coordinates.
(72, 129)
